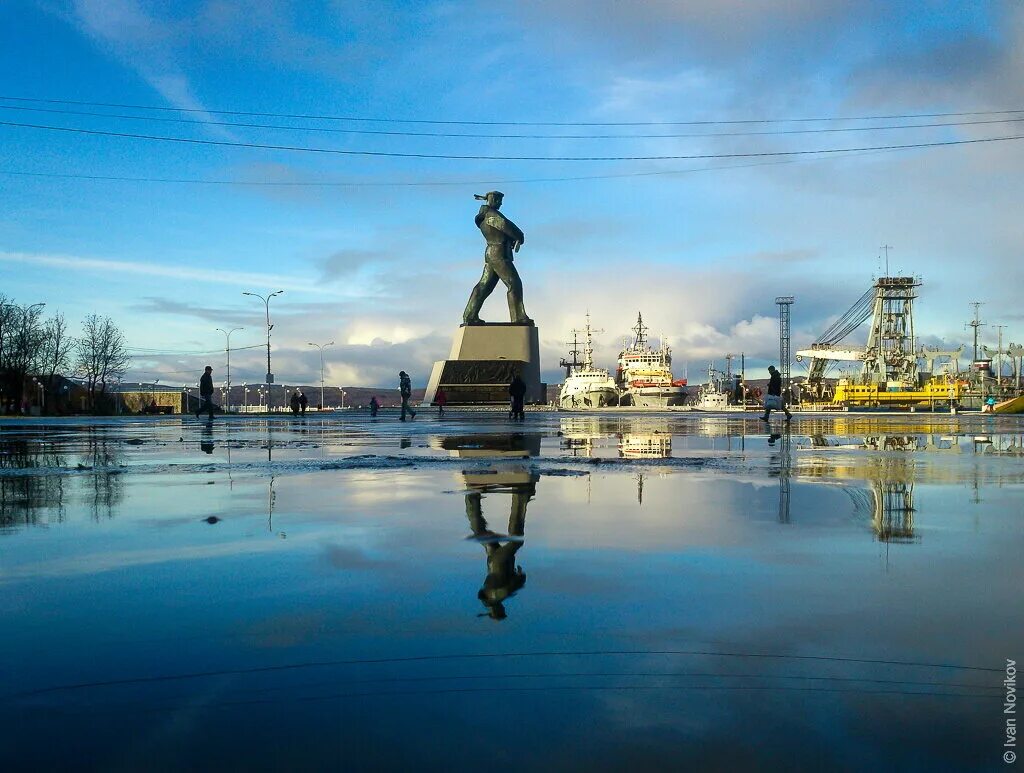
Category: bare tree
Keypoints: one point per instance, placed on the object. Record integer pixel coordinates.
(55, 355)
(8, 313)
(21, 338)
(102, 356)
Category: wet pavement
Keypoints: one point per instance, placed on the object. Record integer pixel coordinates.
(606, 591)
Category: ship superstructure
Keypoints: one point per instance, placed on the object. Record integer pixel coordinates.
(718, 393)
(644, 374)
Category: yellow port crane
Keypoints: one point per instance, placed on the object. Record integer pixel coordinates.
(889, 374)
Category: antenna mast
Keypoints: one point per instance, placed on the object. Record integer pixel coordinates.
(588, 347)
(574, 353)
(641, 332)
(976, 323)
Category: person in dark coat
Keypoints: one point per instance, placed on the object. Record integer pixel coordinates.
(303, 402)
(405, 389)
(206, 393)
(294, 402)
(773, 400)
(440, 400)
(374, 406)
(517, 393)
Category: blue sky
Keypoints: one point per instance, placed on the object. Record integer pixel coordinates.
(384, 269)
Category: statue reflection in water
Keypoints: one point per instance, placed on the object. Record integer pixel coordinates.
(504, 576)
(502, 475)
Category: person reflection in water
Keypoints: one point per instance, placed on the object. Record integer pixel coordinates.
(503, 578)
(206, 441)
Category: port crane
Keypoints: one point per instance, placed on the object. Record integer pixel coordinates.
(930, 355)
(888, 355)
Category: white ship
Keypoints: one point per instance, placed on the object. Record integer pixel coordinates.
(717, 394)
(653, 445)
(586, 386)
(644, 375)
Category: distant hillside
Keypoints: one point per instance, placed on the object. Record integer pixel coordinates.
(355, 397)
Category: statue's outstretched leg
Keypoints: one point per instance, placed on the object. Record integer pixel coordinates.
(506, 270)
(488, 280)
(474, 513)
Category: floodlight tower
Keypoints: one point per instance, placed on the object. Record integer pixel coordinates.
(785, 349)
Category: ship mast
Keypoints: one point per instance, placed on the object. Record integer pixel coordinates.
(575, 353)
(588, 347)
(641, 332)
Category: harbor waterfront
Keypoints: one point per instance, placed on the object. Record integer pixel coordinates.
(696, 590)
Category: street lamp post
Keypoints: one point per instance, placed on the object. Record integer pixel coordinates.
(227, 351)
(42, 397)
(245, 396)
(343, 394)
(266, 303)
(321, 348)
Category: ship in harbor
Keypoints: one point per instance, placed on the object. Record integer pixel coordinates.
(586, 386)
(644, 374)
(720, 392)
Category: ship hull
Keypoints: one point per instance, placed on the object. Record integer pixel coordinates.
(587, 389)
(589, 398)
(654, 397)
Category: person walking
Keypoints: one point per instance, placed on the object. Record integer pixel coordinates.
(374, 407)
(773, 400)
(440, 400)
(294, 403)
(405, 389)
(303, 402)
(206, 393)
(517, 393)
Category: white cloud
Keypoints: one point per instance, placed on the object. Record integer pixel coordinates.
(146, 44)
(108, 268)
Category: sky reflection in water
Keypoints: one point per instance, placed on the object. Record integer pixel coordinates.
(580, 591)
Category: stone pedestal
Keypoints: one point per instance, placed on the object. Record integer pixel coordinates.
(482, 362)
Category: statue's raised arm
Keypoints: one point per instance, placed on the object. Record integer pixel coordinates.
(503, 239)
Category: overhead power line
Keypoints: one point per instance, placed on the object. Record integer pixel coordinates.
(480, 157)
(366, 119)
(476, 135)
(142, 351)
(417, 183)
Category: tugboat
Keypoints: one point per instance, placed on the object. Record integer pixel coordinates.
(717, 394)
(644, 374)
(586, 386)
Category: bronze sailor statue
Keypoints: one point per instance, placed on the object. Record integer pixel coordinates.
(503, 239)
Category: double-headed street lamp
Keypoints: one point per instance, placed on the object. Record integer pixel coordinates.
(227, 350)
(266, 303)
(321, 348)
(16, 306)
